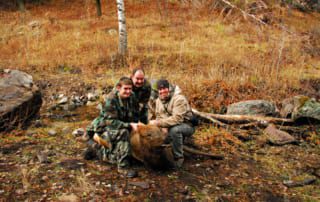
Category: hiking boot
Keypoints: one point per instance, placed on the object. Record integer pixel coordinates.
(178, 163)
(127, 172)
(90, 154)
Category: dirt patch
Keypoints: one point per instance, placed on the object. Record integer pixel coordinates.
(13, 148)
(72, 164)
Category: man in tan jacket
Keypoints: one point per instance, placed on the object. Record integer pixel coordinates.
(174, 113)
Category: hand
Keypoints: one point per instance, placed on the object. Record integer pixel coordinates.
(154, 122)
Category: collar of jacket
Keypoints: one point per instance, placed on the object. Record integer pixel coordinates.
(166, 101)
(119, 99)
(136, 89)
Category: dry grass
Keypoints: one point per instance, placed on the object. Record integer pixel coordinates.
(183, 41)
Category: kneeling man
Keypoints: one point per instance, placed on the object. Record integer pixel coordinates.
(111, 129)
(174, 113)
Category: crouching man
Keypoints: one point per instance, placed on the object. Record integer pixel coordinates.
(174, 113)
(110, 131)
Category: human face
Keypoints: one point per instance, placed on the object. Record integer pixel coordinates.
(125, 91)
(163, 93)
(138, 79)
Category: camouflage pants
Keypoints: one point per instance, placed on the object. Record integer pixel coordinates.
(120, 147)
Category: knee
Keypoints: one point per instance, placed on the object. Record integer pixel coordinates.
(174, 130)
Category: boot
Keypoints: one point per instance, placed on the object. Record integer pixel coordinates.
(129, 173)
(90, 154)
(178, 163)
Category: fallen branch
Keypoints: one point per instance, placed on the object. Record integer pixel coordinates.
(243, 12)
(198, 152)
(228, 118)
(204, 116)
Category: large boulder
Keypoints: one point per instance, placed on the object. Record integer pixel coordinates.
(305, 107)
(253, 107)
(300, 107)
(20, 100)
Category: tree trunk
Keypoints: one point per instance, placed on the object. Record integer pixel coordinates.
(21, 5)
(98, 3)
(122, 28)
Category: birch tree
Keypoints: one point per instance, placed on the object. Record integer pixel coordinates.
(122, 27)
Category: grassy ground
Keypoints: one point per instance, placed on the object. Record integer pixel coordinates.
(215, 57)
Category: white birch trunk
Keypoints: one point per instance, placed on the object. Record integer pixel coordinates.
(122, 28)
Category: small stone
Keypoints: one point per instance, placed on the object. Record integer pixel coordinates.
(38, 124)
(45, 178)
(52, 132)
(108, 185)
(142, 184)
(78, 132)
(1, 191)
(92, 96)
(63, 100)
(43, 157)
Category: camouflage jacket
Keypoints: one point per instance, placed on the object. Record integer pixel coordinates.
(116, 113)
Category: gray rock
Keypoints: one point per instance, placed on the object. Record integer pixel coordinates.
(43, 157)
(253, 107)
(278, 137)
(63, 100)
(299, 183)
(305, 107)
(300, 107)
(142, 184)
(93, 96)
(20, 100)
(16, 78)
(52, 132)
(78, 132)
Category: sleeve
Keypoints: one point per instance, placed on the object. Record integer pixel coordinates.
(111, 116)
(179, 110)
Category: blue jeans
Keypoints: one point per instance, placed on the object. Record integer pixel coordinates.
(176, 136)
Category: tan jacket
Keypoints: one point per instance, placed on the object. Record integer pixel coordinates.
(175, 111)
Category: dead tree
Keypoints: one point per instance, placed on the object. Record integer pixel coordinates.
(21, 5)
(99, 12)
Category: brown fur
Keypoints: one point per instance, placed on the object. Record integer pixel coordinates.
(146, 146)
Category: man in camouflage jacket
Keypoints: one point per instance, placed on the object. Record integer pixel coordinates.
(117, 118)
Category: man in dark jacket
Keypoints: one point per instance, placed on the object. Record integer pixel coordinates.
(142, 91)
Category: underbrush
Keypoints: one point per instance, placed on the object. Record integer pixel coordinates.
(216, 56)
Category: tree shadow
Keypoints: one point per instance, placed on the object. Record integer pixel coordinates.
(13, 6)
